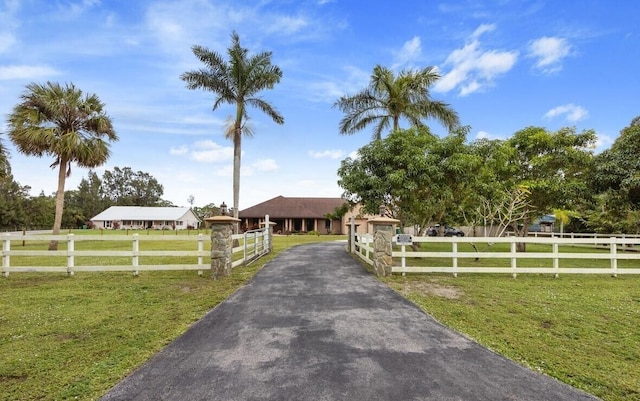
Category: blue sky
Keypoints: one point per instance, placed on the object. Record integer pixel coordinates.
(505, 65)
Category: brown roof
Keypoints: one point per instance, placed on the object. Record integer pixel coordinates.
(281, 207)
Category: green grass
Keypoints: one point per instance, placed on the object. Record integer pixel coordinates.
(73, 338)
(583, 330)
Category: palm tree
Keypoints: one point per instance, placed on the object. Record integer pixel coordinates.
(59, 121)
(4, 161)
(236, 82)
(388, 98)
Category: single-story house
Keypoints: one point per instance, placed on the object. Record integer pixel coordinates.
(142, 217)
(292, 215)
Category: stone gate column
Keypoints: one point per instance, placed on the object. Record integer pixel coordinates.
(383, 232)
(221, 245)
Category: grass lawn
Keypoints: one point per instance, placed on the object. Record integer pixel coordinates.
(73, 338)
(583, 330)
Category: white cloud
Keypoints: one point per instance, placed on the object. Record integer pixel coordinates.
(26, 72)
(205, 151)
(482, 29)
(409, 52)
(179, 151)
(265, 165)
(549, 52)
(571, 112)
(330, 91)
(326, 154)
(473, 68)
(6, 41)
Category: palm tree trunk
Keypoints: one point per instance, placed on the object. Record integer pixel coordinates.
(57, 221)
(237, 153)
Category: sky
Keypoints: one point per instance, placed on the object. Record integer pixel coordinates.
(504, 65)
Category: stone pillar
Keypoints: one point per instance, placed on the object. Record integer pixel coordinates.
(221, 245)
(383, 232)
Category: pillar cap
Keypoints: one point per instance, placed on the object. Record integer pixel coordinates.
(221, 219)
(383, 220)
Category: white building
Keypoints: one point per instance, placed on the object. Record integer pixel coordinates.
(140, 217)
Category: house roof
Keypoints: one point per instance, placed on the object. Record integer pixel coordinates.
(142, 213)
(281, 207)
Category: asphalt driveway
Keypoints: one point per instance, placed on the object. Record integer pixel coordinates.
(314, 325)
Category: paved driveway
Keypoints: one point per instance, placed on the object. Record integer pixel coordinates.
(314, 325)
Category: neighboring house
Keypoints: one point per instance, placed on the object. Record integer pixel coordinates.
(140, 217)
(544, 224)
(292, 215)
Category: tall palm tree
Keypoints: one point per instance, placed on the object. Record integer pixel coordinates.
(388, 98)
(62, 122)
(236, 82)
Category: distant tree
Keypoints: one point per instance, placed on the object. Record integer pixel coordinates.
(389, 98)
(40, 211)
(13, 199)
(206, 211)
(191, 199)
(237, 82)
(124, 187)
(63, 123)
(5, 168)
(88, 199)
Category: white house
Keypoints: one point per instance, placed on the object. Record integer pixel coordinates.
(140, 217)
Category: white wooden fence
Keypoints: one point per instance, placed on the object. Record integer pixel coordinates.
(252, 244)
(612, 249)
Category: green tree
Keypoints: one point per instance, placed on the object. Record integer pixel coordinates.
(616, 178)
(40, 211)
(5, 168)
(124, 187)
(64, 123)
(419, 177)
(88, 199)
(13, 199)
(237, 82)
(390, 98)
(554, 167)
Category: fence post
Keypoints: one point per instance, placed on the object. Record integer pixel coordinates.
(383, 231)
(454, 250)
(70, 256)
(556, 260)
(6, 259)
(268, 234)
(352, 235)
(136, 250)
(221, 245)
(200, 249)
(614, 257)
(514, 257)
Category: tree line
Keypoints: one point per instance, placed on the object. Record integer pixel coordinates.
(118, 187)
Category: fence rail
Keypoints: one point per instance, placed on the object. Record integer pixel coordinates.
(612, 249)
(252, 244)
